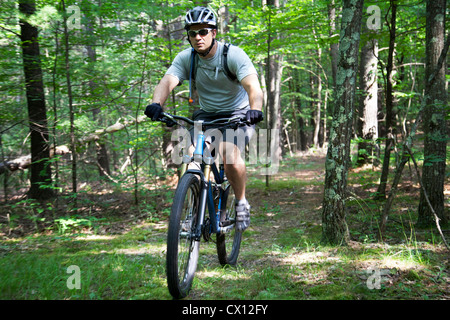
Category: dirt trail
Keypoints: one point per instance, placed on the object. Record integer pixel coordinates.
(297, 188)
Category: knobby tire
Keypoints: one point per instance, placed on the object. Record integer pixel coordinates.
(228, 244)
(182, 250)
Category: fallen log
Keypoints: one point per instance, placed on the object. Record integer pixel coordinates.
(24, 162)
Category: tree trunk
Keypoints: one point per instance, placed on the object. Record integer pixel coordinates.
(334, 46)
(100, 146)
(367, 119)
(168, 33)
(273, 83)
(390, 130)
(317, 97)
(69, 95)
(334, 226)
(316, 140)
(434, 122)
(37, 113)
(334, 55)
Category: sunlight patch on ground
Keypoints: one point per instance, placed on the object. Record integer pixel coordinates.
(392, 263)
(95, 237)
(308, 257)
(145, 249)
(219, 274)
(160, 225)
(388, 263)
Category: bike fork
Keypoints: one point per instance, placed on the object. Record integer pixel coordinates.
(202, 203)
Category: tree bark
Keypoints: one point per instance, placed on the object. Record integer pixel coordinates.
(390, 130)
(334, 226)
(317, 104)
(37, 112)
(273, 82)
(434, 122)
(334, 46)
(334, 54)
(69, 96)
(367, 118)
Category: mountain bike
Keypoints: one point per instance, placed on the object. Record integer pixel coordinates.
(197, 192)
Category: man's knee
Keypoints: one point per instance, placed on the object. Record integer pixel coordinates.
(231, 154)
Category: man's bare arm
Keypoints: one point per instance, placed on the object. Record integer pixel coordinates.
(253, 88)
(164, 88)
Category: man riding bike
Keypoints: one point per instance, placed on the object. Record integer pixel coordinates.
(219, 96)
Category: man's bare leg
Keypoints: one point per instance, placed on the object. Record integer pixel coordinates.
(236, 172)
(234, 168)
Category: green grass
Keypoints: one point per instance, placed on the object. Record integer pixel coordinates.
(129, 266)
(121, 255)
(290, 265)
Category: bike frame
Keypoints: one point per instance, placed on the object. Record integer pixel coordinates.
(206, 185)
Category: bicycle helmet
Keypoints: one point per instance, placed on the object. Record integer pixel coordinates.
(200, 15)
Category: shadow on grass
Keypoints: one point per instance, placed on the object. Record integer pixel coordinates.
(128, 266)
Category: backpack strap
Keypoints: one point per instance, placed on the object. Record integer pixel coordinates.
(230, 75)
(192, 72)
(193, 69)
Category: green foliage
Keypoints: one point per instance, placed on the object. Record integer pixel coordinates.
(122, 50)
(74, 223)
(116, 59)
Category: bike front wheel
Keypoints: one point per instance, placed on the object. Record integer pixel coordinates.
(182, 248)
(229, 243)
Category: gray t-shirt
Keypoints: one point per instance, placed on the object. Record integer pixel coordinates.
(216, 92)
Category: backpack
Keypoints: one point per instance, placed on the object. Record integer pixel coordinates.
(193, 69)
(228, 73)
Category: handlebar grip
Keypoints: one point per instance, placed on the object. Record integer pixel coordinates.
(167, 119)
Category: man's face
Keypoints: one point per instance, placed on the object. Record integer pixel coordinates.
(202, 43)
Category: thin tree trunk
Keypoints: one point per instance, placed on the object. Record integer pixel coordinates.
(273, 82)
(390, 130)
(334, 46)
(55, 109)
(37, 112)
(71, 111)
(334, 55)
(367, 118)
(100, 146)
(316, 139)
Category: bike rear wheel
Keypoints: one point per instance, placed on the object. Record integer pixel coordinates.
(229, 243)
(182, 248)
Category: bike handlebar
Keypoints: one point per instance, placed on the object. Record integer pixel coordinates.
(236, 120)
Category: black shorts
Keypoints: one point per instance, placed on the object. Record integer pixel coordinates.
(239, 137)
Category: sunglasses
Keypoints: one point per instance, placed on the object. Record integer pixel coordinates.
(201, 32)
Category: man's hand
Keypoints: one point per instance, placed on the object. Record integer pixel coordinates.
(254, 116)
(153, 111)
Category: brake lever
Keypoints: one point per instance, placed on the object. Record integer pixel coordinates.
(168, 119)
(242, 120)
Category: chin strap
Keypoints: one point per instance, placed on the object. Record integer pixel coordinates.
(209, 50)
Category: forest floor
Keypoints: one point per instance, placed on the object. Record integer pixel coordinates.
(118, 247)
